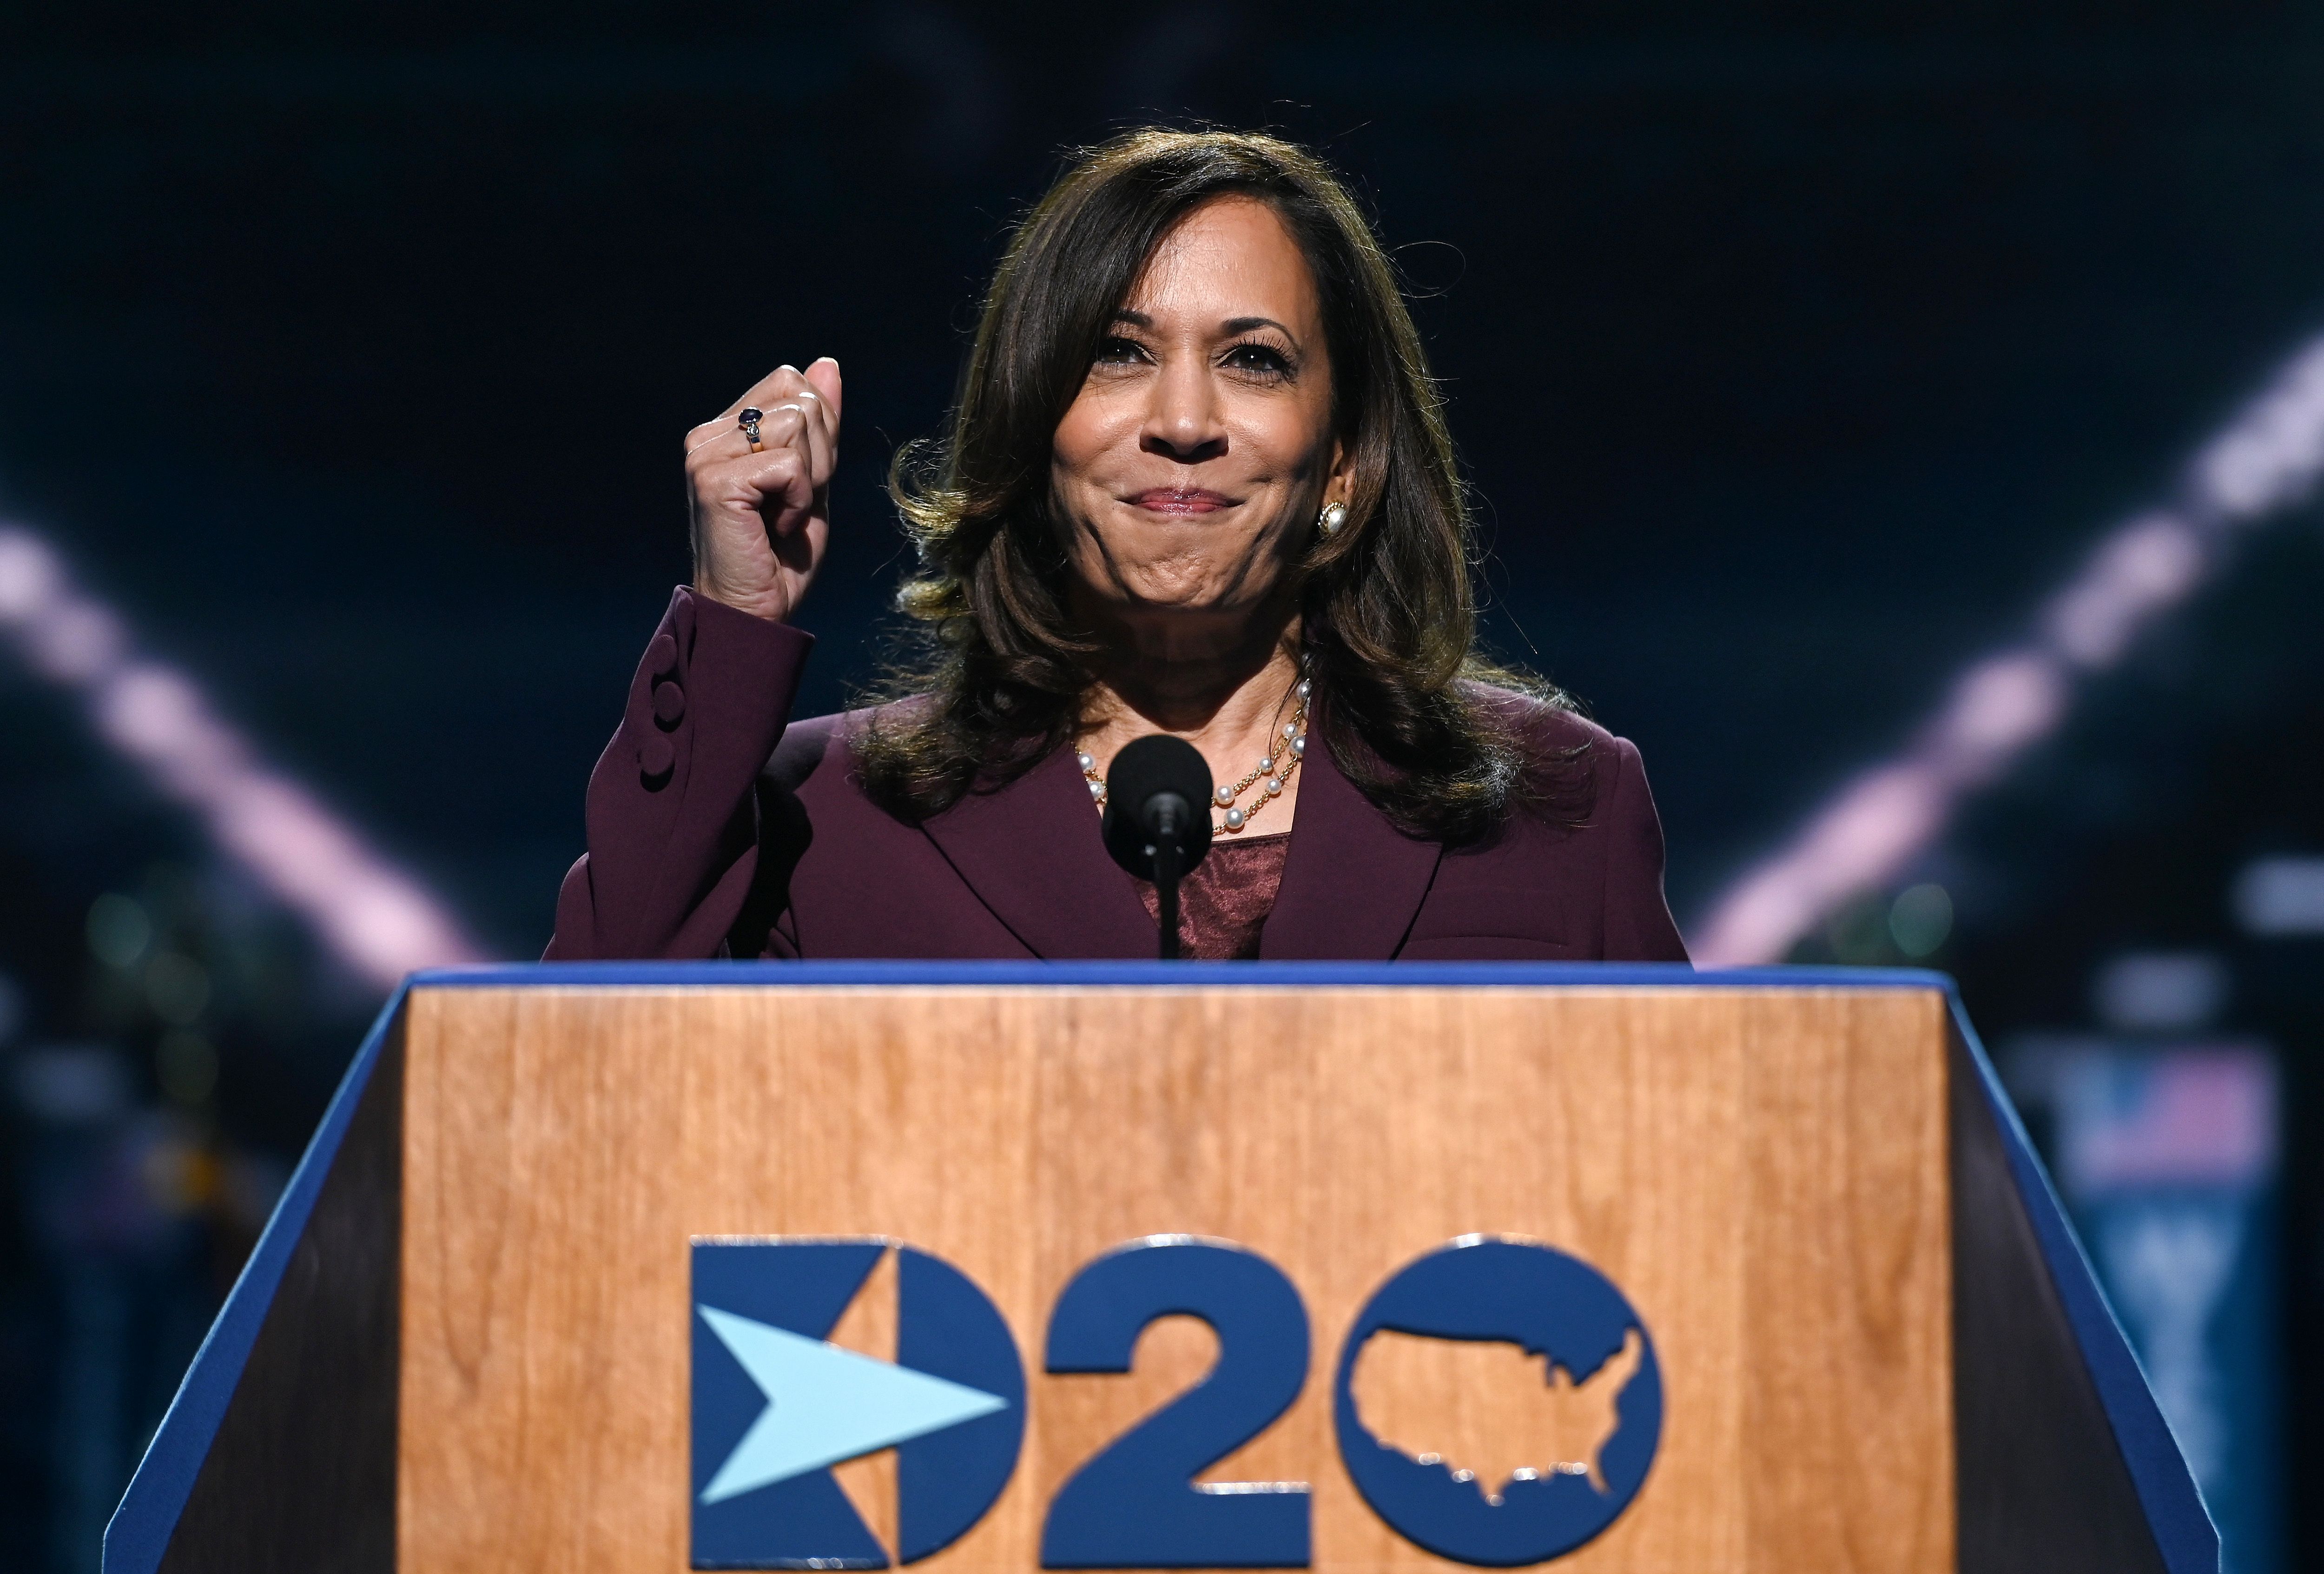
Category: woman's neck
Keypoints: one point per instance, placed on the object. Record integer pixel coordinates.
(1225, 688)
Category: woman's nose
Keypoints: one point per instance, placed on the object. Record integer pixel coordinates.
(1182, 423)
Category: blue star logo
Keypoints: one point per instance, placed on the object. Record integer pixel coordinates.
(776, 1404)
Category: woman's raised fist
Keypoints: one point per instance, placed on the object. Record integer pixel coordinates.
(762, 513)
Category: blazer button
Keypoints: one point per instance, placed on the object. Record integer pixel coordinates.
(661, 656)
(656, 756)
(668, 704)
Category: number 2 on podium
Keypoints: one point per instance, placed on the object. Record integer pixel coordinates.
(1136, 1504)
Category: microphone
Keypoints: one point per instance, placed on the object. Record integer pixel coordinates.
(1158, 819)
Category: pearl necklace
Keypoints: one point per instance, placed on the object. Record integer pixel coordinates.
(1273, 771)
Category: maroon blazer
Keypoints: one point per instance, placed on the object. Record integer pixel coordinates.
(714, 829)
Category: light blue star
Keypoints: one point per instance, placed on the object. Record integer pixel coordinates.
(825, 1404)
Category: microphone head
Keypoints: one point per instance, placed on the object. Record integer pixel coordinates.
(1144, 777)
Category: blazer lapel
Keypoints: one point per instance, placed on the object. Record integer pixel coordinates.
(1351, 882)
(1031, 853)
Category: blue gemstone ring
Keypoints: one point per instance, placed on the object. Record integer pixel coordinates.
(749, 420)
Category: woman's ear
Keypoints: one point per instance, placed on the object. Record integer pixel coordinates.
(1339, 482)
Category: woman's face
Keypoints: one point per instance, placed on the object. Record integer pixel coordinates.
(1191, 467)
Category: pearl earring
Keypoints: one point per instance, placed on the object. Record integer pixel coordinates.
(1333, 517)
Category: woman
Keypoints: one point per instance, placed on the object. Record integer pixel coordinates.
(1197, 482)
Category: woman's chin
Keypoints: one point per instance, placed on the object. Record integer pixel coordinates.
(1199, 594)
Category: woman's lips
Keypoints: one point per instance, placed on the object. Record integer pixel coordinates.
(1175, 500)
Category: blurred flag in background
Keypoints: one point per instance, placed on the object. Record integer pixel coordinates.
(2166, 1155)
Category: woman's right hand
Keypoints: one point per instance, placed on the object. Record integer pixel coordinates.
(763, 520)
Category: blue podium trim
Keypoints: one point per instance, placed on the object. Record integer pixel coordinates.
(1181, 975)
(139, 1534)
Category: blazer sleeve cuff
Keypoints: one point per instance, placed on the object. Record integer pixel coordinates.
(671, 817)
(724, 683)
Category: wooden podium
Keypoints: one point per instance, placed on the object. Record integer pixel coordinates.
(1692, 1272)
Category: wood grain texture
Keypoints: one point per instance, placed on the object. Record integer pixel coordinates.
(1763, 1173)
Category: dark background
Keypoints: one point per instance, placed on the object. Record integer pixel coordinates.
(1795, 353)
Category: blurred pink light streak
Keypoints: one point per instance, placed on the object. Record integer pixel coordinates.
(373, 917)
(2266, 459)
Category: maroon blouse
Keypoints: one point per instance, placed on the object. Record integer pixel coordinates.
(1223, 904)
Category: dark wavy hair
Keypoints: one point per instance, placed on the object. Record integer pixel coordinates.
(1428, 731)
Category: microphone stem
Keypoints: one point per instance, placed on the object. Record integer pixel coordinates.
(1167, 854)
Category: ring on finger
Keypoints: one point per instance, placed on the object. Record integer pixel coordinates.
(748, 420)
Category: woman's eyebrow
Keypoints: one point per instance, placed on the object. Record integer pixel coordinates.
(1231, 325)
